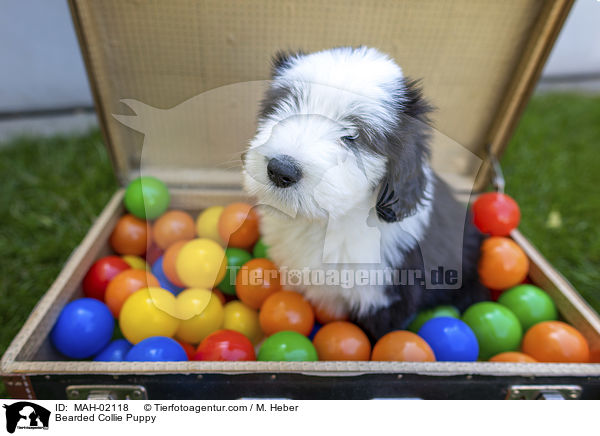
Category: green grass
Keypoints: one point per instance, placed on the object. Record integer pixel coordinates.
(552, 169)
(51, 189)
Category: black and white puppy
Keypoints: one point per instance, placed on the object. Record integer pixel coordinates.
(340, 168)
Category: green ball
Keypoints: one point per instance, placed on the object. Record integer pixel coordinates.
(236, 257)
(260, 249)
(436, 312)
(147, 198)
(287, 346)
(530, 305)
(497, 329)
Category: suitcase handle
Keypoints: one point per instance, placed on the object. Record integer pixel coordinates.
(543, 392)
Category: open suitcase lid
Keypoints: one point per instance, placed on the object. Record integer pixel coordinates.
(177, 83)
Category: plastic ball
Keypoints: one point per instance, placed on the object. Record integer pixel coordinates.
(157, 349)
(436, 312)
(402, 346)
(189, 349)
(495, 294)
(173, 226)
(125, 284)
(153, 253)
(207, 224)
(136, 262)
(555, 341)
(496, 214)
(147, 198)
(502, 264)
(169, 263)
(148, 312)
(225, 345)
(450, 339)
(287, 347)
(200, 312)
(325, 315)
(159, 272)
(256, 280)
(314, 331)
(260, 249)
(238, 225)
(286, 310)
(114, 352)
(341, 340)
(131, 235)
(530, 304)
(236, 257)
(220, 296)
(496, 327)
(513, 356)
(100, 274)
(83, 328)
(243, 319)
(201, 263)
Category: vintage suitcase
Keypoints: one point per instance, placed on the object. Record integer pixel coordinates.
(183, 79)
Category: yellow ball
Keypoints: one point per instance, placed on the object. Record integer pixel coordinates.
(148, 312)
(243, 319)
(200, 313)
(207, 224)
(136, 262)
(201, 263)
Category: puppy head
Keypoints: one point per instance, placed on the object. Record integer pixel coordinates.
(335, 128)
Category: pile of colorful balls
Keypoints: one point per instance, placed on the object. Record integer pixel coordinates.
(182, 289)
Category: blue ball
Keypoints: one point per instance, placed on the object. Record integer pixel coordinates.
(450, 339)
(156, 349)
(83, 328)
(163, 281)
(114, 352)
(316, 328)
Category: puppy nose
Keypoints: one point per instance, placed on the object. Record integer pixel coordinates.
(283, 171)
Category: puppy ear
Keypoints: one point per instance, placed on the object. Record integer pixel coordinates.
(282, 59)
(407, 149)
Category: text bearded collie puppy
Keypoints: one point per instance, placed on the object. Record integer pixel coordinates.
(340, 168)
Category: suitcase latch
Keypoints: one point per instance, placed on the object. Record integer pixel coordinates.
(544, 392)
(106, 392)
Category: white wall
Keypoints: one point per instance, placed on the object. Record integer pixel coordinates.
(577, 50)
(41, 67)
(40, 62)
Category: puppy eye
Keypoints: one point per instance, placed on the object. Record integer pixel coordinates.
(350, 138)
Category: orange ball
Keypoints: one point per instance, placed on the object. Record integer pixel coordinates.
(324, 315)
(341, 340)
(402, 346)
(238, 225)
(512, 356)
(173, 226)
(502, 264)
(256, 280)
(555, 341)
(131, 235)
(169, 259)
(286, 310)
(124, 284)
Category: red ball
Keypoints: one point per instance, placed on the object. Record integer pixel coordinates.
(153, 253)
(496, 214)
(225, 345)
(100, 274)
(189, 349)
